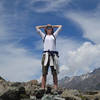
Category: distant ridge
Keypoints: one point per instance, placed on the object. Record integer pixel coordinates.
(89, 81)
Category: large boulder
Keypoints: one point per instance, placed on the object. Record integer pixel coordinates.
(71, 95)
(30, 86)
(90, 95)
(3, 86)
(14, 93)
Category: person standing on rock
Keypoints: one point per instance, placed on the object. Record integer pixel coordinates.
(50, 55)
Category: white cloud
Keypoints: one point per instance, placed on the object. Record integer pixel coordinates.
(48, 5)
(89, 22)
(64, 45)
(84, 59)
(3, 30)
(18, 64)
(13, 23)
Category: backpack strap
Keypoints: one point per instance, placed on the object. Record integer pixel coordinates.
(54, 38)
(44, 38)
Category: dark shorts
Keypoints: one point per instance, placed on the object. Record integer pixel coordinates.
(45, 68)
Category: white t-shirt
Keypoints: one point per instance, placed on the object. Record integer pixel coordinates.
(49, 43)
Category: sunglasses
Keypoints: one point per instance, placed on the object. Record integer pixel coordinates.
(49, 27)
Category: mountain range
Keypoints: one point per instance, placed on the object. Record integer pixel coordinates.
(88, 81)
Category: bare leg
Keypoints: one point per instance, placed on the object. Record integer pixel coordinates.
(43, 81)
(55, 80)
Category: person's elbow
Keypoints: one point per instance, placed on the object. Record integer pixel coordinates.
(61, 26)
(36, 27)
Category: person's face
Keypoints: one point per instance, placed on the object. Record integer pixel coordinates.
(49, 31)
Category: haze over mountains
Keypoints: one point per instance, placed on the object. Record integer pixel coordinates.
(89, 81)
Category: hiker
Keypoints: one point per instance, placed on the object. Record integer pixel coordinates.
(50, 55)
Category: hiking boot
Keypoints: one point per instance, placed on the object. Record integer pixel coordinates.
(39, 93)
(42, 90)
(48, 90)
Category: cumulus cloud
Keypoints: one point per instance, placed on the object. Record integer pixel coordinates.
(84, 59)
(18, 64)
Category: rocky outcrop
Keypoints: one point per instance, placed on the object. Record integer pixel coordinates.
(31, 90)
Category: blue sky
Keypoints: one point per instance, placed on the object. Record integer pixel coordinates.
(21, 46)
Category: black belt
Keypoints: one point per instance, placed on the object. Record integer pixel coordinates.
(52, 52)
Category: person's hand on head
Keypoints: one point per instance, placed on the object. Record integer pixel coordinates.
(49, 26)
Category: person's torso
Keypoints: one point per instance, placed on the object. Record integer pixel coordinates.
(49, 43)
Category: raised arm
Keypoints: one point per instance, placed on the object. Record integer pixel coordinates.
(59, 27)
(39, 30)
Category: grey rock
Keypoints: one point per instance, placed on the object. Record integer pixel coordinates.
(14, 93)
(52, 97)
(10, 95)
(39, 93)
(58, 98)
(71, 95)
(90, 96)
(31, 91)
(2, 78)
(33, 97)
(47, 97)
(26, 99)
